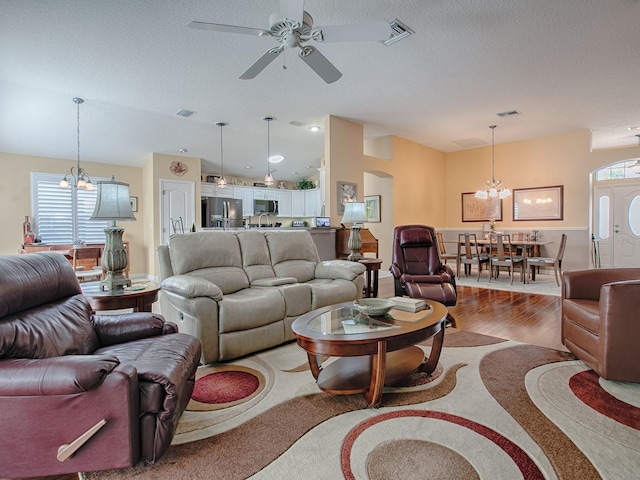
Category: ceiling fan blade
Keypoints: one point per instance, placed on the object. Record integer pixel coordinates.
(320, 64)
(356, 33)
(218, 27)
(269, 56)
(292, 9)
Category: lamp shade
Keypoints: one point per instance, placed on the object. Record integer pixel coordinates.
(112, 202)
(354, 212)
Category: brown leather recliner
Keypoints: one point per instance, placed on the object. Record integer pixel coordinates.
(417, 268)
(600, 322)
(64, 370)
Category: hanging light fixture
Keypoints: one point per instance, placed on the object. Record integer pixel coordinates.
(493, 188)
(81, 180)
(268, 179)
(222, 182)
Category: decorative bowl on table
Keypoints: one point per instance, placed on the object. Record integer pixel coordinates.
(373, 306)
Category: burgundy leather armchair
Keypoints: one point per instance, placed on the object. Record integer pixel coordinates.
(121, 380)
(600, 322)
(417, 268)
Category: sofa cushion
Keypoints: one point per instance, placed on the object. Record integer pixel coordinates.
(58, 328)
(328, 292)
(255, 255)
(293, 254)
(585, 313)
(250, 308)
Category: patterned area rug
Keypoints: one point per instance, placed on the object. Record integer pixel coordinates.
(495, 410)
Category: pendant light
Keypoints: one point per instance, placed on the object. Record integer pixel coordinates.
(493, 188)
(80, 179)
(268, 179)
(222, 182)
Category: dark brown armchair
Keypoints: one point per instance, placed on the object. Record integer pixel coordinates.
(417, 268)
(600, 320)
(83, 392)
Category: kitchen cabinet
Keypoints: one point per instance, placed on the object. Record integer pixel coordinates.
(247, 202)
(312, 202)
(284, 203)
(297, 203)
(207, 190)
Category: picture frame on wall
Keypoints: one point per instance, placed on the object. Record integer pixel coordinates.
(346, 193)
(538, 203)
(372, 208)
(481, 209)
(134, 203)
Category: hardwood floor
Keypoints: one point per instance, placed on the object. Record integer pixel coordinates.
(524, 317)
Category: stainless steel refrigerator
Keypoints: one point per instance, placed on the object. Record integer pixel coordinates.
(222, 212)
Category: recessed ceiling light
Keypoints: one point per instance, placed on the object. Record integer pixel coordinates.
(249, 167)
(309, 166)
(637, 127)
(183, 150)
(275, 158)
(314, 128)
(294, 173)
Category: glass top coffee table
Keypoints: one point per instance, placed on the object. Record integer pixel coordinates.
(373, 351)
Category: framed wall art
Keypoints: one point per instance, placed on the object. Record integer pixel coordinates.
(481, 209)
(346, 193)
(538, 203)
(372, 208)
(134, 203)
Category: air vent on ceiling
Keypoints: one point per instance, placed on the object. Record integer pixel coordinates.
(185, 113)
(296, 123)
(470, 142)
(398, 31)
(509, 113)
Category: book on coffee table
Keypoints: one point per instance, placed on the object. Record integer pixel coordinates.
(409, 304)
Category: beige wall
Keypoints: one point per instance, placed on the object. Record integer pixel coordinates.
(15, 193)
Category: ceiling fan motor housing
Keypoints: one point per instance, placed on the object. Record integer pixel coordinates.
(280, 26)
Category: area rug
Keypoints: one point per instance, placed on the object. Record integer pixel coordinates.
(495, 409)
(544, 284)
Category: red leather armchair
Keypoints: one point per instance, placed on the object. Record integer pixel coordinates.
(121, 380)
(417, 268)
(600, 322)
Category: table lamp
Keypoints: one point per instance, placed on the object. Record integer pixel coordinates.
(113, 204)
(354, 213)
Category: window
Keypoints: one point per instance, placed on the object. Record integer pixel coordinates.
(626, 169)
(61, 215)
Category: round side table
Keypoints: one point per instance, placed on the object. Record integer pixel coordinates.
(373, 267)
(140, 299)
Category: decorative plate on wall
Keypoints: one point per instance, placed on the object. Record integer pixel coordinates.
(178, 168)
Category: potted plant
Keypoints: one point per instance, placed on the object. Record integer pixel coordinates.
(305, 184)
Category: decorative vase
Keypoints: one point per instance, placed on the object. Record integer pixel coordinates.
(27, 234)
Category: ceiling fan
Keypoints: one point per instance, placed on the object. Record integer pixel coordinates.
(293, 27)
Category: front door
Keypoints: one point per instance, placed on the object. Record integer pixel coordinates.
(617, 225)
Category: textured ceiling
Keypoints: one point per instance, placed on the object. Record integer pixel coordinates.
(564, 65)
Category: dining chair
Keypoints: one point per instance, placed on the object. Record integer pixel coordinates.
(469, 254)
(83, 257)
(505, 256)
(556, 263)
(444, 256)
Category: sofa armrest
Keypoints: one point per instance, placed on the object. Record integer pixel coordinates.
(585, 284)
(274, 281)
(114, 329)
(344, 269)
(191, 287)
(65, 375)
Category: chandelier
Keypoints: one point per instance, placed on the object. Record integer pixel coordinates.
(222, 182)
(78, 178)
(268, 179)
(493, 188)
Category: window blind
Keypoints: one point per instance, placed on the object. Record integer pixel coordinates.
(61, 215)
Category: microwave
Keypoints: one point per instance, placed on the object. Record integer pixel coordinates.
(265, 206)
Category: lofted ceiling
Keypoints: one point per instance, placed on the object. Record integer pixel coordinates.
(563, 65)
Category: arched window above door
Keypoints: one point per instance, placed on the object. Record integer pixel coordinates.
(618, 171)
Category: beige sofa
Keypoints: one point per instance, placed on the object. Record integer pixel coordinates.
(239, 292)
